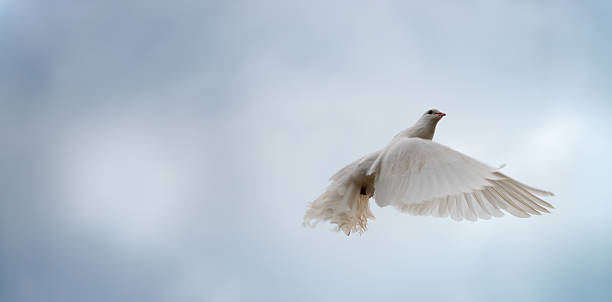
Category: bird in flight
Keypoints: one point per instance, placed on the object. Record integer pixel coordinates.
(421, 177)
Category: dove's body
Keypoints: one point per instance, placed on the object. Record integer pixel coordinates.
(421, 177)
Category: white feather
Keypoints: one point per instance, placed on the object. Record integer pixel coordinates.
(421, 177)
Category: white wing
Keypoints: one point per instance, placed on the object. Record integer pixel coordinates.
(424, 178)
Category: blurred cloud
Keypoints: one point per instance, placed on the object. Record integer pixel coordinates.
(166, 151)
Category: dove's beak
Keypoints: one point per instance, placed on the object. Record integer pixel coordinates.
(441, 114)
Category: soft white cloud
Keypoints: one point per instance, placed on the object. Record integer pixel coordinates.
(125, 182)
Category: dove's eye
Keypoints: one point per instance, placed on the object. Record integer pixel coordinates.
(430, 112)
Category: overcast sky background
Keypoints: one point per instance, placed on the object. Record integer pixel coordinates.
(166, 150)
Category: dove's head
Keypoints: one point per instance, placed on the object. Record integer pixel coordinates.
(425, 126)
(433, 114)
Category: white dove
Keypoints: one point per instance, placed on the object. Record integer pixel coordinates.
(421, 177)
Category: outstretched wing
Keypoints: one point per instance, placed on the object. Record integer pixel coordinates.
(424, 178)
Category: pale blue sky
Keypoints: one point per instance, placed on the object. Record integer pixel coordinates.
(166, 151)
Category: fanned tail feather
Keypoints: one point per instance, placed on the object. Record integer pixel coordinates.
(343, 205)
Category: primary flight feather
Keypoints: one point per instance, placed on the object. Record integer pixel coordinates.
(420, 177)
